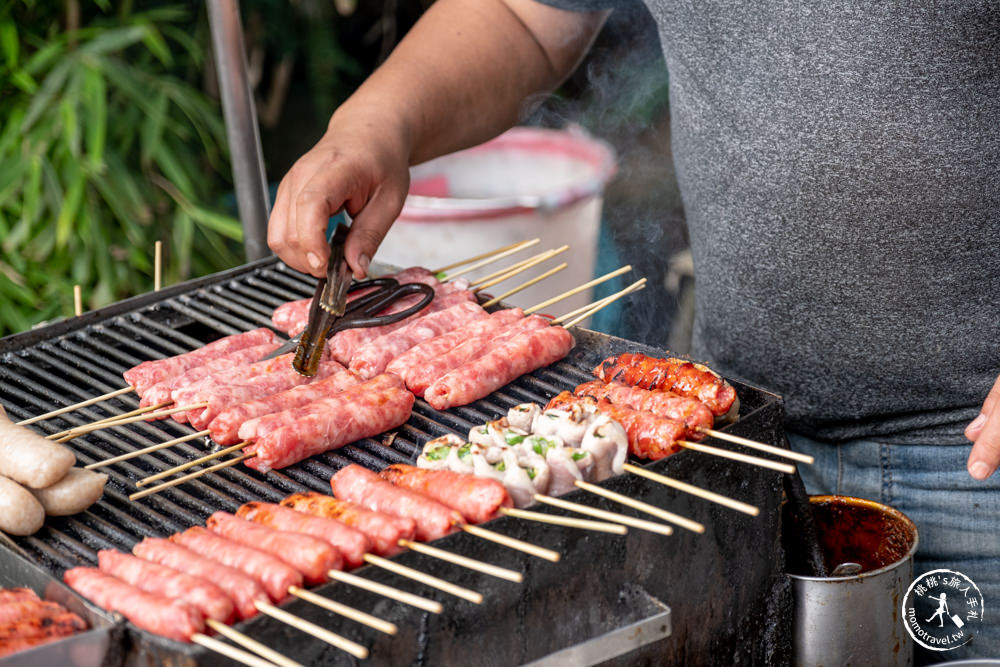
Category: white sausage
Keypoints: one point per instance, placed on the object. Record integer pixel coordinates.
(20, 512)
(75, 492)
(30, 459)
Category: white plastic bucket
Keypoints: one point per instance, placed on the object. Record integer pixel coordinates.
(526, 183)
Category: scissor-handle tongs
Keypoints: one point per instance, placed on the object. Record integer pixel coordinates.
(359, 313)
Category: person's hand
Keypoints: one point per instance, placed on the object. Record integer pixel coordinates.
(984, 432)
(359, 165)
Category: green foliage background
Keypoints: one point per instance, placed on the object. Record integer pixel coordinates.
(107, 145)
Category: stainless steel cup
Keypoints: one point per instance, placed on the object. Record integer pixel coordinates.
(855, 620)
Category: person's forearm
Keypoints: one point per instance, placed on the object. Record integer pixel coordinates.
(470, 69)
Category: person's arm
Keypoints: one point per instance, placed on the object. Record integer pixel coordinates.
(464, 73)
(984, 431)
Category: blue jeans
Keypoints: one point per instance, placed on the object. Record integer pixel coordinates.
(957, 518)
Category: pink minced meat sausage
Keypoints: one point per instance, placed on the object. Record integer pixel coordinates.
(158, 579)
(355, 413)
(272, 574)
(363, 487)
(310, 556)
(373, 357)
(242, 589)
(345, 343)
(525, 352)
(160, 392)
(420, 378)
(258, 427)
(417, 356)
(148, 373)
(162, 616)
(226, 426)
(263, 379)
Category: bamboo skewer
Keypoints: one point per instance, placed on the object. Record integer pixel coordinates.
(157, 265)
(251, 644)
(77, 301)
(97, 426)
(231, 652)
(494, 258)
(190, 464)
(186, 478)
(580, 288)
(355, 615)
(145, 450)
(520, 268)
(491, 253)
(569, 522)
(693, 490)
(753, 444)
(76, 406)
(634, 287)
(605, 302)
(523, 286)
(512, 542)
(660, 513)
(736, 456)
(107, 421)
(433, 606)
(424, 578)
(508, 269)
(463, 561)
(344, 644)
(624, 519)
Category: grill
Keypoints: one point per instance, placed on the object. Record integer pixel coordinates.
(725, 591)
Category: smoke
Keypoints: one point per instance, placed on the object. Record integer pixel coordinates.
(619, 94)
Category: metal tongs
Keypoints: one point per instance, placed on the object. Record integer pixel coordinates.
(329, 311)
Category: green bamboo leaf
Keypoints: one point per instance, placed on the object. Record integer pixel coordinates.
(70, 207)
(95, 96)
(183, 233)
(157, 45)
(51, 85)
(174, 170)
(49, 53)
(11, 174)
(11, 135)
(152, 129)
(21, 79)
(9, 43)
(70, 127)
(222, 224)
(113, 40)
(32, 194)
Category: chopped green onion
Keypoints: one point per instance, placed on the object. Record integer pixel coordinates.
(578, 455)
(438, 453)
(513, 438)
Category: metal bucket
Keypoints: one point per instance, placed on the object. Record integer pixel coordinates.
(855, 619)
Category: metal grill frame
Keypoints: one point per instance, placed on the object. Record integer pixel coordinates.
(602, 582)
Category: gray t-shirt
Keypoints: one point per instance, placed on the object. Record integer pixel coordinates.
(839, 165)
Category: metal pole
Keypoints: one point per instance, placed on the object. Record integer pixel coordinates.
(240, 115)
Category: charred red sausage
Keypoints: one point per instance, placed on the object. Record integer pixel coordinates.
(384, 530)
(477, 499)
(690, 411)
(352, 544)
(649, 436)
(677, 375)
(363, 487)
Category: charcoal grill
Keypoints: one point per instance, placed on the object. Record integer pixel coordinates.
(725, 590)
